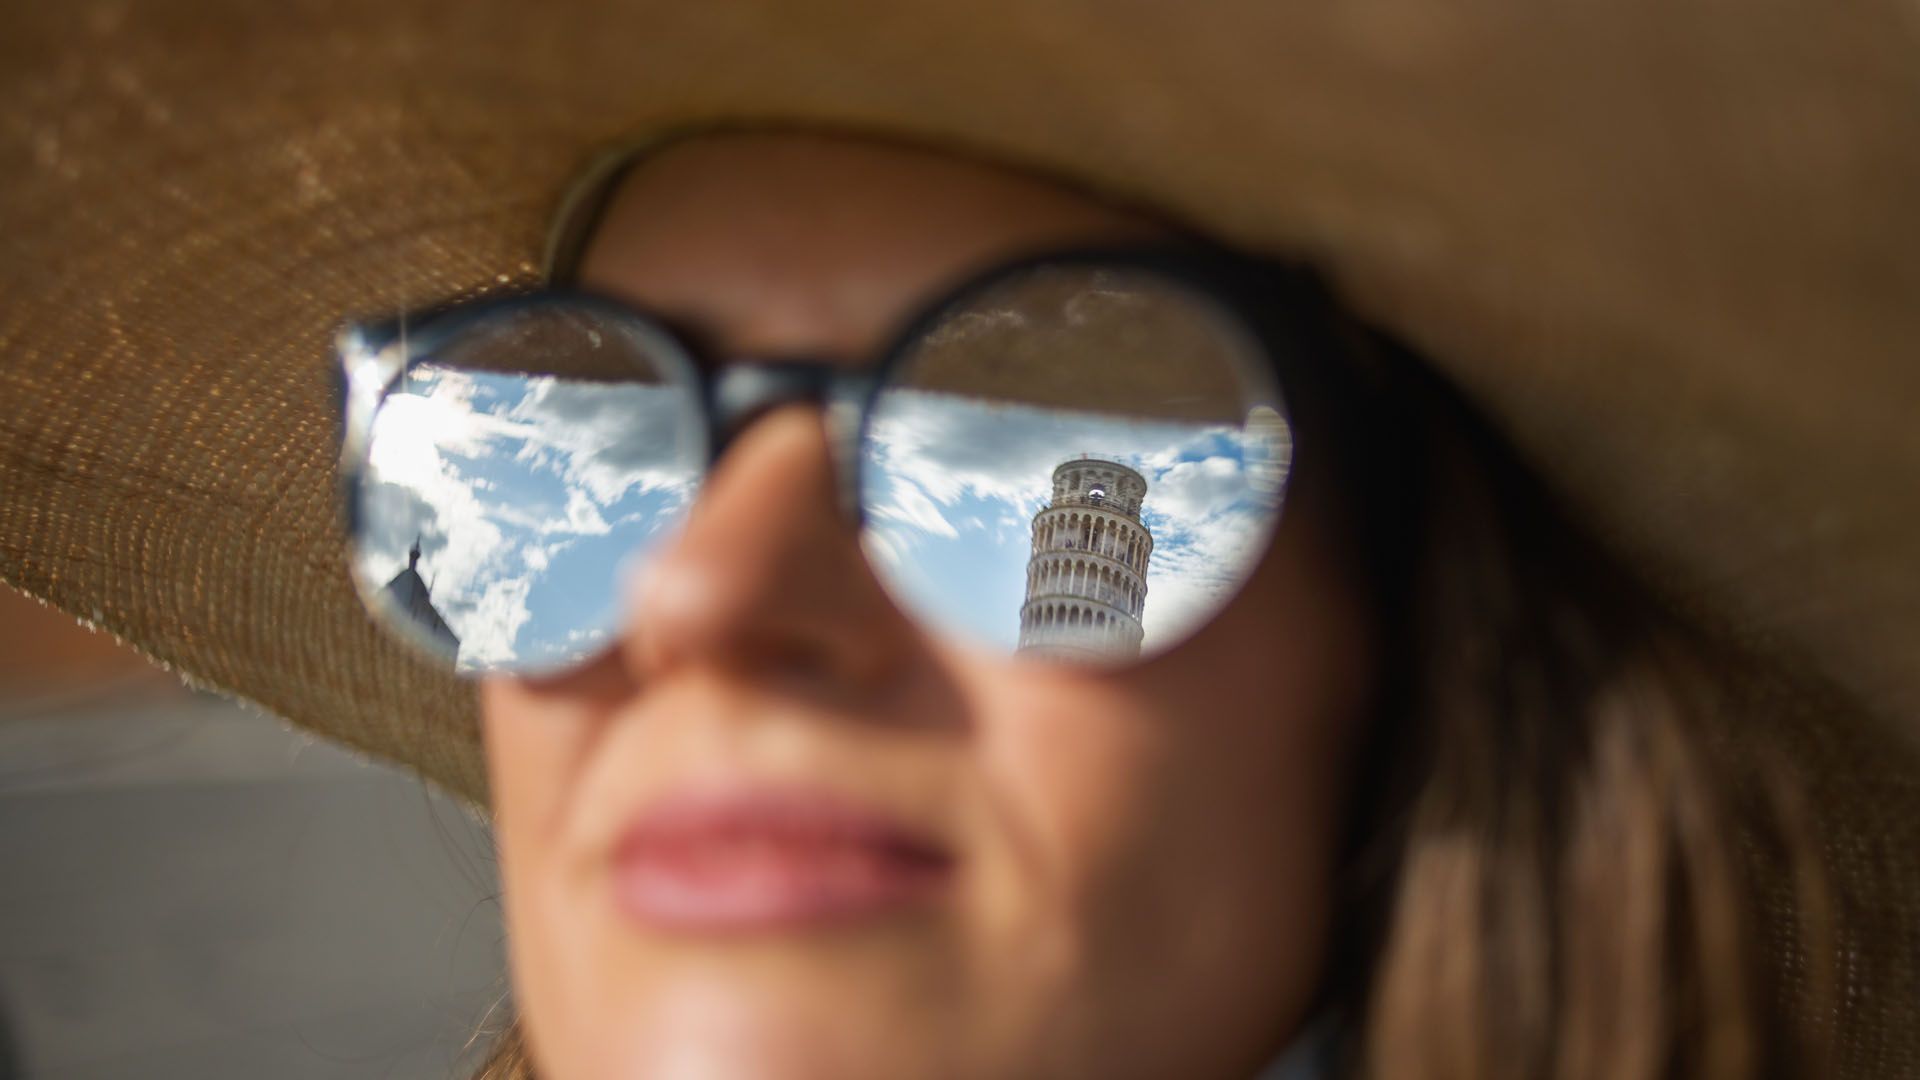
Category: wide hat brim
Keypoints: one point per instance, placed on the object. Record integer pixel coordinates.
(1673, 248)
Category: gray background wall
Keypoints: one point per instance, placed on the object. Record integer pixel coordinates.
(188, 889)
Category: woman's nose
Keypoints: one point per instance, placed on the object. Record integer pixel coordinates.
(766, 578)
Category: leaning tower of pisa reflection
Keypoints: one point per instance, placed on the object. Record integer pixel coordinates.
(1087, 576)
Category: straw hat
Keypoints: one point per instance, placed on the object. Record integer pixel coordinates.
(1673, 247)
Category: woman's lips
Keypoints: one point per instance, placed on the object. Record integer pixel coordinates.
(770, 859)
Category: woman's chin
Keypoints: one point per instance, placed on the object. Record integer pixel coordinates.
(779, 1010)
(722, 1032)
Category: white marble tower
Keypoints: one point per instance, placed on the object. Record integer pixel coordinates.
(1087, 576)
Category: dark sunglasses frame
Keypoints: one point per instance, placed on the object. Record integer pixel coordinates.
(1285, 309)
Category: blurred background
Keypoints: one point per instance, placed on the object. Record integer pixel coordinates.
(192, 889)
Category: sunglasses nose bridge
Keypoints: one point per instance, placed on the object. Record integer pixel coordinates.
(742, 391)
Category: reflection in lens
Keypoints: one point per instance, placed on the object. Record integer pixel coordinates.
(1078, 463)
(499, 511)
(1087, 574)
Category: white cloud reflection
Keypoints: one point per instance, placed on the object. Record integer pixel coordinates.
(507, 481)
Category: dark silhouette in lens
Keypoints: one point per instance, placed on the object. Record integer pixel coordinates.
(413, 598)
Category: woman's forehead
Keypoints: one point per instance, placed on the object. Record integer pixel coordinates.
(781, 243)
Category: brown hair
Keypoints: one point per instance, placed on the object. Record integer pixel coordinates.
(1572, 855)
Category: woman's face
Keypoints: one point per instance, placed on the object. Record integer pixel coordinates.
(780, 831)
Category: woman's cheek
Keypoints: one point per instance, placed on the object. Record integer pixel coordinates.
(539, 739)
(1065, 773)
(525, 755)
(537, 744)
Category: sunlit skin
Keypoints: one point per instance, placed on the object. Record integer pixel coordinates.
(1143, 858)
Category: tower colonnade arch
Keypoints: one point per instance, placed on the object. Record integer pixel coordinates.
(1095, 532)
(1087, 570)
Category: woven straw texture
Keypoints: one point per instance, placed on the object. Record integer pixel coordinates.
(1674, 246)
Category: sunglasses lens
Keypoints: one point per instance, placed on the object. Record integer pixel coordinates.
(514, 475)
(1077, 463)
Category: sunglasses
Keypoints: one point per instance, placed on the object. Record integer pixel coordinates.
(1077, 457)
